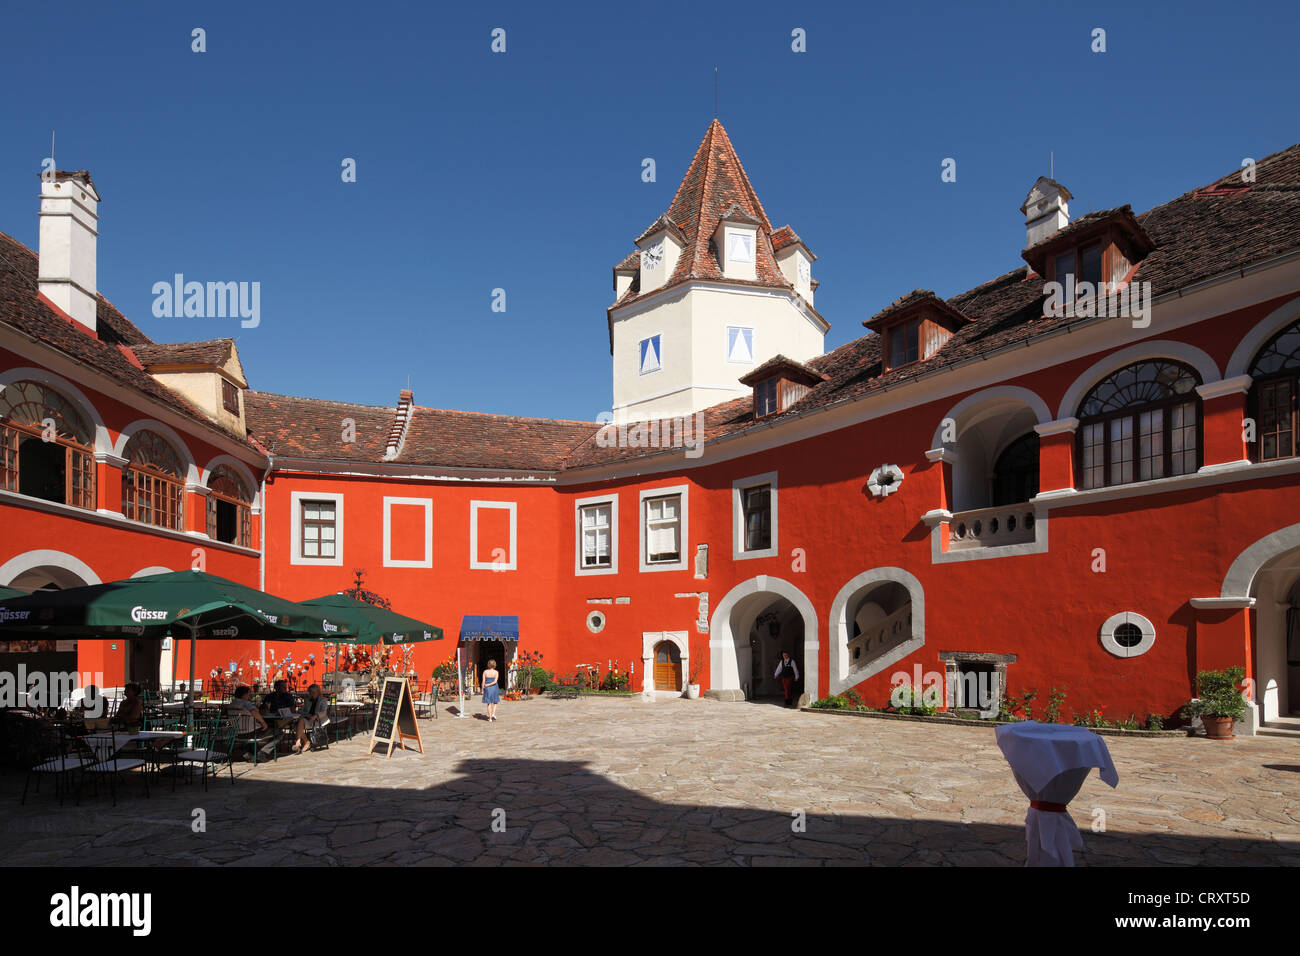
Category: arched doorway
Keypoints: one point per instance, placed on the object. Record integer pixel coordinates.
(752, 625)
(1277, 637)
(877, 619)
(668, 666)
(45, 656)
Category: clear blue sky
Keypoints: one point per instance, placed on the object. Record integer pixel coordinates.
(522, 170)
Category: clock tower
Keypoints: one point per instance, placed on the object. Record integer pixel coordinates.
(711, 292)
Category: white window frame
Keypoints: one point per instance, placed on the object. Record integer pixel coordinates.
(738, 552)
(389, 560)
(474, 563)
(685, 539)
(644, 338)
(726, 344)
(1113, 623)
(611, 500)
(296, 498)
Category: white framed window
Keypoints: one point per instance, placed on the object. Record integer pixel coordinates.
(1128, 634)
(406, 504)
(740, 345)
(497, 562)
(316, 528)
(740, 247)
(596, 535)
(754, 517)
(665, 528)
(650, 354)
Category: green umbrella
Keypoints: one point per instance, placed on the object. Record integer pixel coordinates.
(181, 603)
(7, 593)
(370, 624)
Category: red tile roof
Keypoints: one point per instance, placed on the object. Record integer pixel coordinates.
(212, 352)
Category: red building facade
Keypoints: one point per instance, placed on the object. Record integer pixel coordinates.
(1101, 504)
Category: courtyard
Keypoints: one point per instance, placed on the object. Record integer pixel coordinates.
(619, 781)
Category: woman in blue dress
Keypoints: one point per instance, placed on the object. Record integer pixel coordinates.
(491, 692)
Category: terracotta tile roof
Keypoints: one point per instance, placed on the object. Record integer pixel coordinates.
(110, 354)
(786, 236)
(780, 363)
(212, 352)
(631, 262)
(313, 428)
(715, 185)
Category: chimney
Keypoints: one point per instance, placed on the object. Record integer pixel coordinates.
(69, 229)
(401, 421)
(1046, 210)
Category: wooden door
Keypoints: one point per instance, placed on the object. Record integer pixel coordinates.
(668, 666)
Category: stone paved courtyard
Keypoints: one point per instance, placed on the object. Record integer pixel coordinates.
(625, 782)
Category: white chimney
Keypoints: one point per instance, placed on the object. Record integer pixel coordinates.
(1046, 210)
(69, 229)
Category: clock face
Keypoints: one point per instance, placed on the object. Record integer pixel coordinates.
(804, 272)
(742, 248)
(653, 256)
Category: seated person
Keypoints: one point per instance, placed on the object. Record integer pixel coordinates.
(315, 714)
(248, 720)
(280, 699)
(130, 712)
(91, 710)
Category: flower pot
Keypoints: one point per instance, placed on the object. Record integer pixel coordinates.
(1218, 728)
(692, 691)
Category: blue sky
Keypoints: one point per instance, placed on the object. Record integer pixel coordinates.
(522, 170)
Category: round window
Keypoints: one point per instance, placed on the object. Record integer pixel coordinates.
(596, 621)
(1128, 634)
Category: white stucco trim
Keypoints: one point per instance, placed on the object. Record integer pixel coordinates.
(738, 552)
(103, 440)
(1197, 358)
(649, 640)
(296, 498)
(1239, 582)
(244, 471)
(1112, 623)
(1013, 393)
(841, 677)
(723, 644)
(388, 559)
(684, 539)
(155, 569)
(475, 564)
(45, 558)
(166, 431)
(578, 505)
(1254, 340)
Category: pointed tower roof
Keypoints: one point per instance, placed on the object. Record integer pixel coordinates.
(715, 186)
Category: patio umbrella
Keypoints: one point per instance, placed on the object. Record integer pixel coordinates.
(370, 624)
(190, 604)
(7, 593)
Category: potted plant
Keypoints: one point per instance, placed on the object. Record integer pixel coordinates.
(693, 680)
(1220, 703)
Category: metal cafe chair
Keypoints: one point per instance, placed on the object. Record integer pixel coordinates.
(57, 756)
(216, 746)
(113, 767)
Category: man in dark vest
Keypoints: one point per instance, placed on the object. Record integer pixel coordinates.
(788, 671)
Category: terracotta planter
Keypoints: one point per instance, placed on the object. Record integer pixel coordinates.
(1218, 728)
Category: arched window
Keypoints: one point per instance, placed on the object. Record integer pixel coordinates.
(153, 483)
(229, 508)
(1139, 423)
(1276, 371)
(1015, 476)
(46, 446)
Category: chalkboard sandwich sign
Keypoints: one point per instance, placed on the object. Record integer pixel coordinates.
(395, 720)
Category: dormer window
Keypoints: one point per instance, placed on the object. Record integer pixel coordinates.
(1093, 255)
(905, 343)
(229, 396)
(1084, 263)
(778, 383)
(914, 328)
(741, 247)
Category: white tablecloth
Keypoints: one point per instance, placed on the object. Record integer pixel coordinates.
(1050, 763)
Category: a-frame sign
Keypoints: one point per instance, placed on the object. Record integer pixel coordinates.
(395, 720)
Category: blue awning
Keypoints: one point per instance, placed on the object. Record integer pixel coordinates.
(489, 627)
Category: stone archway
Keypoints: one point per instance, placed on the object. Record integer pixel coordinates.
(847, 609)
(730, 629)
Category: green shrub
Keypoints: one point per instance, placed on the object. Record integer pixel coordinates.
(834, 702)
(1052, 712)
(1219, 695)
(1155, 722)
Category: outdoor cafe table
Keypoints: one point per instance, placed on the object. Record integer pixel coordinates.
(1050, 763)
(103, 744)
